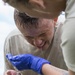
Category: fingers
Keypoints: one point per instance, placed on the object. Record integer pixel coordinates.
(12, 72)
(10, 57)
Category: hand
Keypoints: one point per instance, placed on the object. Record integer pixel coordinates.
(11, 72)
(27, 61)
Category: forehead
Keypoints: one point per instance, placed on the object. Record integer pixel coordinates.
(42, 23)
(42, 27)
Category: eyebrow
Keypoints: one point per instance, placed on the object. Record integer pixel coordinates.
(38, 35)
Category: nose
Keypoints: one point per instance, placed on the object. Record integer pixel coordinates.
(38, 42)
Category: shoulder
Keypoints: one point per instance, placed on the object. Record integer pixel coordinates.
(14, 33)
(15, 36)
(59, 28)
(58, 33)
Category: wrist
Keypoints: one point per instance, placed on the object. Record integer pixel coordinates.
(45, 68)
(37, 65)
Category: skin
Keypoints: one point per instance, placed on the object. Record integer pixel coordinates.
(12, 72)
(40, 36)
(71, 72)
(51, 70)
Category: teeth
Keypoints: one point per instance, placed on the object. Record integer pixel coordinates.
(42, 45)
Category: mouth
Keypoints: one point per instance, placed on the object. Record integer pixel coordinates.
(42, 46)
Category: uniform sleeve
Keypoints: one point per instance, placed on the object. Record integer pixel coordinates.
(68, 43)
(7, 49)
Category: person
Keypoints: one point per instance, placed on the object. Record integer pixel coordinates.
(51, 9)
(37, 36)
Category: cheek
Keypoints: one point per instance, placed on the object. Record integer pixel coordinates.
(50, 35)
(46, 37)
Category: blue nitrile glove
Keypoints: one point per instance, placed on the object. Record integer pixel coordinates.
(27, 61)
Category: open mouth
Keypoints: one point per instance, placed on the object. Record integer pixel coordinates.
(42, 46)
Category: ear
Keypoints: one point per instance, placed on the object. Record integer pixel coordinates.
(55, 21)
(37, 3)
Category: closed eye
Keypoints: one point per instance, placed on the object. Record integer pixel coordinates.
(29, 37)
(43, 34)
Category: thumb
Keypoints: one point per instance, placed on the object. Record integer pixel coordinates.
(9, 56)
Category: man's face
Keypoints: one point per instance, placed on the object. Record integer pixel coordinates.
(41, 36)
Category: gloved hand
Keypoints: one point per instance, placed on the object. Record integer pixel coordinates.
(27, 61)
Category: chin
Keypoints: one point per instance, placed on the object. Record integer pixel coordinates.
(46, 47)
(42, 49)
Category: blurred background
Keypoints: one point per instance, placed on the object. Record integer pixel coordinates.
(7, 25)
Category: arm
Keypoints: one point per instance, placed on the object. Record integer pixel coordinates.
(51, 70)
(27, 61)
(40, 65)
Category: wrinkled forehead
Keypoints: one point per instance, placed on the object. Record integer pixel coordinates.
(41, 23)
(36, 31)
(37, 24)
